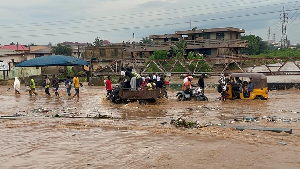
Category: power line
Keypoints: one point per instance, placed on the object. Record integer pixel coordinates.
(295, 18)
(66, 32)
(295, 10)
(153, 26)
(154, 13)
(161, 19)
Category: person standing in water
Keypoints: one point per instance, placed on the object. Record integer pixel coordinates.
(68, 85)
(47, 85)
(55, 84)
(32, 87)
(108, 87)
(76, 85)
(17, 85)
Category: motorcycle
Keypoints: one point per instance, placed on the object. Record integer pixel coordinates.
(196, 94)
(114, 95)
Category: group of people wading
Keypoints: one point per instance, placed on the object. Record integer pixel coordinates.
(54, 82)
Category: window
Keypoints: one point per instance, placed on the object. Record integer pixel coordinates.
(174, 39)
(102, 52)
(206, 36)
(205, 52)
(220, 36)
(115, 52)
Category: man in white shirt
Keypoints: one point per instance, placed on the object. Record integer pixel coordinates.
(154, 77)
(186, 78)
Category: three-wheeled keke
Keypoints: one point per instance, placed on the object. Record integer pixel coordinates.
(248, 86)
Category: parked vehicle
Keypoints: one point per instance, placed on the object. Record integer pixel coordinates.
(196, 95)
(121, 95)
(240, 90)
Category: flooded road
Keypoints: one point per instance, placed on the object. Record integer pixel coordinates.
(59, 132)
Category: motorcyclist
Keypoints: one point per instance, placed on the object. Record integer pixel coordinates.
(223, 83)
(187, 86)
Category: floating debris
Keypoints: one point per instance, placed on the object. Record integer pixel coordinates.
(99, 116)
(183, 123)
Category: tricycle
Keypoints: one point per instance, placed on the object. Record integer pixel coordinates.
(238, 87)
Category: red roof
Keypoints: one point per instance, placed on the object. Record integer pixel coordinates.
(106, 42)
(15, 47)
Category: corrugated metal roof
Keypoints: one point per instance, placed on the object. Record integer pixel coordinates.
(40, 49)
(15, 47)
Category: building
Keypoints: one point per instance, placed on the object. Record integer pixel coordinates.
(14, 54)
(215, 42)
(77, 48)
(17, 48)
(40, 50)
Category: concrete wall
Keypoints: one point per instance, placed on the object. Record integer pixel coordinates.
(17, 57)
(21, 72)
(212, 35)
(53, 70)
(214, 52)
(107, 52)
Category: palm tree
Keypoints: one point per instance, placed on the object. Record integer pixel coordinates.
(146, 40)
(179, 49)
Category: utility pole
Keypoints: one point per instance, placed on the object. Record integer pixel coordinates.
(78, 51)
(269, 33)
(284, 21)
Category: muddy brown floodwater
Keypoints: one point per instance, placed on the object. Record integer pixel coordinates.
(38, 132)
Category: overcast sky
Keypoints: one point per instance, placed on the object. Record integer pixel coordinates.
(56, 21)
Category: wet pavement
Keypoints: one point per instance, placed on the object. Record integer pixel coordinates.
(63, 132)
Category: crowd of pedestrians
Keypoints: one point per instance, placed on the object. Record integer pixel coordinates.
(47, 84)
(131, 80)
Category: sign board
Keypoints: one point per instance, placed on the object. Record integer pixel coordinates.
(4, 66)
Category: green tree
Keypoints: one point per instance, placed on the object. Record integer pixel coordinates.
(191, 55)
(253, 45)
(98, 42)
(62, 50)
(12, 43)
(160, 54)
(146, 40)
(256, 45)
(179, 50)
(263, 45)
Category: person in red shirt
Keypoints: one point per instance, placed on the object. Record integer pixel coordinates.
(108, 85)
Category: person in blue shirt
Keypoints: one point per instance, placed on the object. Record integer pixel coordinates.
(250, 86)
(68, 84)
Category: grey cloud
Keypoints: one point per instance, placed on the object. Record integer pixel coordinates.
(153, 5)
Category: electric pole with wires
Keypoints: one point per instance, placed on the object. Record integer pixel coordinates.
(284, 21)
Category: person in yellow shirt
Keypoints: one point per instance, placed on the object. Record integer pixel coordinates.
(149, 84)
(47, 85)
(76, 85)
(32, 87)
